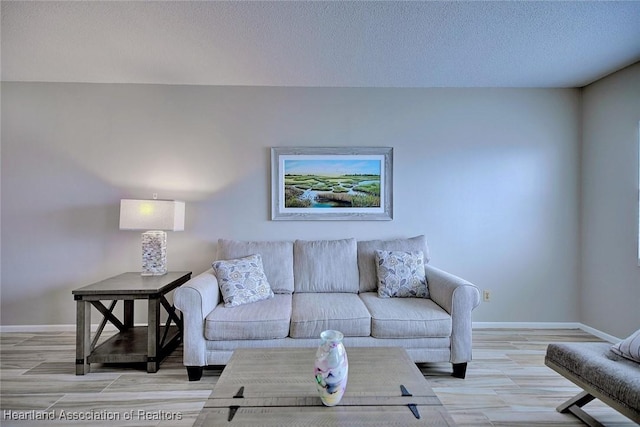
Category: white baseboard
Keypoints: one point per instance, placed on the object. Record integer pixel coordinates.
(50, 328)
(476, 325)
(600, 334)
(546, 325)
(527, 325)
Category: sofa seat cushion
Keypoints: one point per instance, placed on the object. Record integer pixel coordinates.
(266, 319)
(406, 317)
(316, 312)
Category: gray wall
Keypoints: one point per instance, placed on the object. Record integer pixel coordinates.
(491, 176)
(610, 275)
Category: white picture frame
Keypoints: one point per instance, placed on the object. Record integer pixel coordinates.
(332, 183)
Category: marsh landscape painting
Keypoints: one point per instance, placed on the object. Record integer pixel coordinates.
(332, 183)
(326, 183)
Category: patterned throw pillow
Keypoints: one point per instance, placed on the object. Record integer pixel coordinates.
(629, 348)
(242, 280)
(401, 274)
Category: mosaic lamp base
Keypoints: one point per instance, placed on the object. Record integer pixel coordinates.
(154, 253)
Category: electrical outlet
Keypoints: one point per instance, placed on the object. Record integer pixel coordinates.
(486, 295)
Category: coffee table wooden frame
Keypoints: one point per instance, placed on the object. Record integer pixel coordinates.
(276, 387)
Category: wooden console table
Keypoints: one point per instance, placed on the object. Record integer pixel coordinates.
(148, 344)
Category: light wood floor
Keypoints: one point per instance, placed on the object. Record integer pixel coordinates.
(507, 384)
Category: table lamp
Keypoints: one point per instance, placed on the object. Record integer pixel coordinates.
(156, 216)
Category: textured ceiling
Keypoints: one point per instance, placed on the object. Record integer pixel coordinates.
(313, 43)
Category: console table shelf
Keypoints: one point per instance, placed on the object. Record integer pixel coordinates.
(130, 346)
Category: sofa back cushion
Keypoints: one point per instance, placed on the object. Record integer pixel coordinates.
(326, 266)
(277, 260)
(367, 257)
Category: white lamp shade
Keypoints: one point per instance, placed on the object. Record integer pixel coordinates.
(151, 215)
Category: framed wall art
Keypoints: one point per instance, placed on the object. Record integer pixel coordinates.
(332, 183)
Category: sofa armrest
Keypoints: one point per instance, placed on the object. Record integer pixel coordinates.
(196, 299)
(458, 297)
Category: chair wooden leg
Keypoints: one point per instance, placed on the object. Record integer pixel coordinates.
(574, 406)
(580, 400)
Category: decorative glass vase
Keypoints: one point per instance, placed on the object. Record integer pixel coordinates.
(331, 368)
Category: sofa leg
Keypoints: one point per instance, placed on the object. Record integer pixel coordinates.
(459, 370)
(195, 372)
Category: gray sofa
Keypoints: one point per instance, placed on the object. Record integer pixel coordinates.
(327, 284)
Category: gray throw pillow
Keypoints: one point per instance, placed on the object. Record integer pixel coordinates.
(367, 257)
(242, 280)
(629, 348)
(401, 274)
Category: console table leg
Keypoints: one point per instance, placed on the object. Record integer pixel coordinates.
(153, 335)
(128, 313)
(83, 336)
